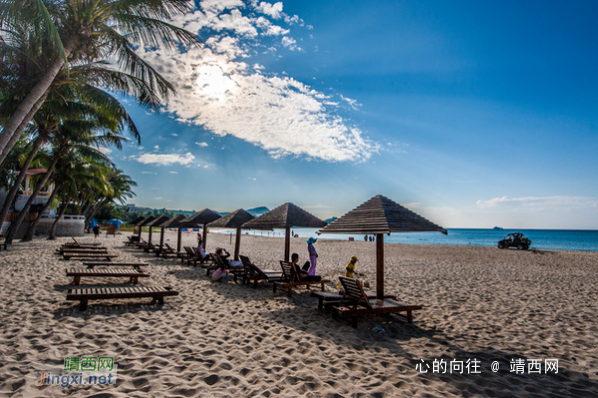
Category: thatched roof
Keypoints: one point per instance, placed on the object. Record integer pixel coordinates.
(137, 220)
(145, 221)
(173, 222)
(202, 217)
(380, 215)
(158, 221)
(232, 220)
(286, 215)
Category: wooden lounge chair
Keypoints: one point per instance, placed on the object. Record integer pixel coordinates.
(167, 251)
(88, 255)
(92, 264)
(206, 261)
(255, 274)
(98, 249)
(76, 243)
(328, 299)
(218, 262)
(362, 305)
(78, 273)
(132, 240)
(290, 279)
(84, 295)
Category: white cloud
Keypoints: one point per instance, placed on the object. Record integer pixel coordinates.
(542, 203)
(290, 43)
(158, 198)
(165, 159)
(272, 10)
(174, 134)
(156, 147)
(149, 172)
(104, 150)
(173, 172)
(353, 103)
(202, 144)
(226, 96)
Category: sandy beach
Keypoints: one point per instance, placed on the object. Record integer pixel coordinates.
(481, 305)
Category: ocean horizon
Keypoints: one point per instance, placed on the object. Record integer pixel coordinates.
(544, 239)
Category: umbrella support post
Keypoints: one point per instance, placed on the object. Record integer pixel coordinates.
(380, 266)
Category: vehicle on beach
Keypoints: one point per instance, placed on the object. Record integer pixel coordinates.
(516, 239)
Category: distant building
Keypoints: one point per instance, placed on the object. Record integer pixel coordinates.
(27, 189)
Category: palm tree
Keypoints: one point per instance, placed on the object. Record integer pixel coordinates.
(77, 104)
(76, 173)
(84, 31)
(120, 189)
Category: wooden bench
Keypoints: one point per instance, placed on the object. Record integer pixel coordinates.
(89, 249)
(78, 273)
(110, 263)
(290, 279)
(361, 304)
(84, 295)
(88, 255)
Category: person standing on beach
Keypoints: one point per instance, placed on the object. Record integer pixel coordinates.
(313, 255)
(199, 239)
(350, 273)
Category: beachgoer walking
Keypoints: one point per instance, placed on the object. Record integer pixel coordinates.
(96, 230)
(350, 273)
(313, 255)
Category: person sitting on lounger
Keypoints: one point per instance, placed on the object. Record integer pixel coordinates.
(303, 275)
(202, 252)
(224, 255)
(221, 274)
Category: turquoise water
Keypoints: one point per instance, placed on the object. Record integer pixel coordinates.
(541, 238)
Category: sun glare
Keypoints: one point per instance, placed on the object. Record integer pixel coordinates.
(215, 85)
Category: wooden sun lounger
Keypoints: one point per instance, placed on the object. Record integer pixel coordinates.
(88, 255)
(255, 274)
(98, 249)
(290, 279)
(362, 305)
(91, 265)
(78, 273)
(79, 244)
(132, 240)
(84, 295)
(328, 299)
(218, 261)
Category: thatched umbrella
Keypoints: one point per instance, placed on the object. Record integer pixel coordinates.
(143, 223)
(380, 216)
(285, 216)
(135, 221)
(174, 223)
(202, 217)
(233, 220)
(157, 223)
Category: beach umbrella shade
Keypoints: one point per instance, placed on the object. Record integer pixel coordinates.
(201, 218)
(174, 223)
(115, 221)
(135, 221)
(285, 216)
(143, 223)
(380, 216)
(233, 220)
(157, 223)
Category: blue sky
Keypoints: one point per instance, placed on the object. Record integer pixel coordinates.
(472, 114)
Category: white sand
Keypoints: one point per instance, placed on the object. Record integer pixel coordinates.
(227, 340)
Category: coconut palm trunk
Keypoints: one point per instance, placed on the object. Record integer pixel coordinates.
(64, 205)
(96, 211)
(31, 231)
(15, 225)
(21, 128)
(21, 177)
(25, 111)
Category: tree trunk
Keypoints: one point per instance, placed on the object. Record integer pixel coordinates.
(18, 120)
(21, 128)
(65, 204)
(15, 225)
(29, 234)
(15, 188)
(95, 211)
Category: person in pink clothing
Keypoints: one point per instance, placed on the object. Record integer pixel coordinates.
(313, 255)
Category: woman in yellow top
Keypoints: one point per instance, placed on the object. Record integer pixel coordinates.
(351, 268)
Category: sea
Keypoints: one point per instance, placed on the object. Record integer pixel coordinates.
(545, 239)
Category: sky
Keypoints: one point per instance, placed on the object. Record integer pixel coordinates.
(472, 114)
